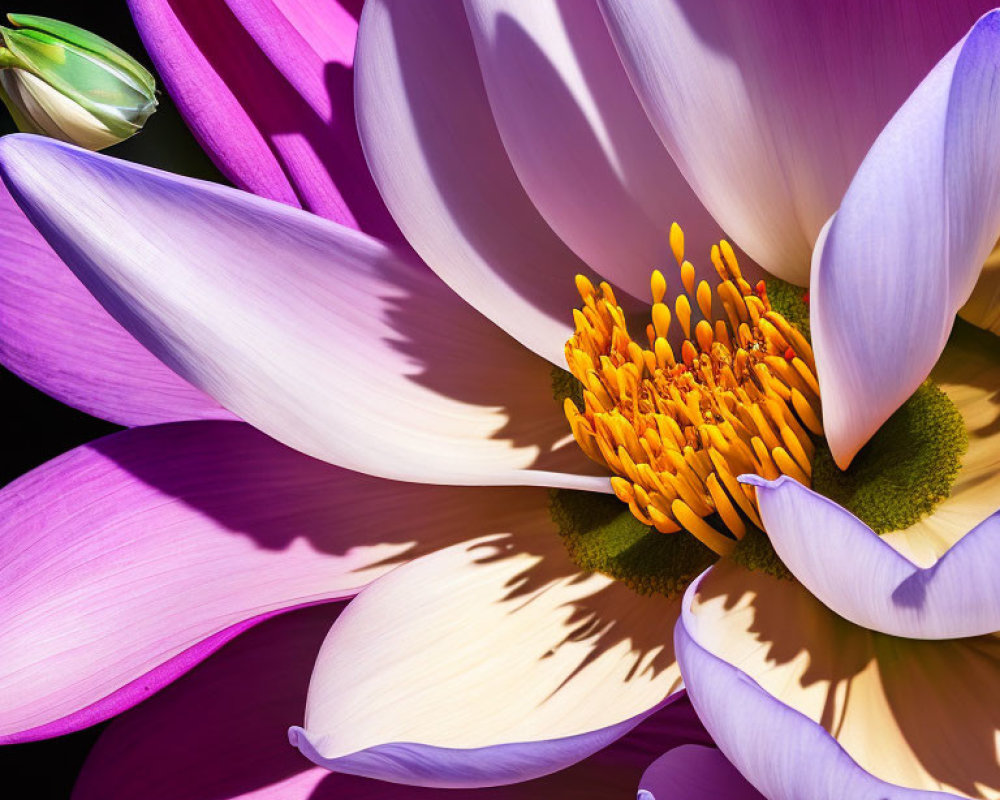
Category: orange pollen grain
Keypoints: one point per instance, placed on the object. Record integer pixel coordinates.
(678, 418)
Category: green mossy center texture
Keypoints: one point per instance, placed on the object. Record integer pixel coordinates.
(899, 476)
(906, 469)
(789, 300)
(602, 535)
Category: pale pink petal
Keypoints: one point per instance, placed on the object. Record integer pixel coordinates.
(580, 141)
(768, 107)
(434, 150)
(128, 560)
(320, 336)
(58, 338)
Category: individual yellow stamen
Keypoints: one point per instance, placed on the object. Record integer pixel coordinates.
(787, 465)
(806, 374)
(688, 276)
(658, 285)
(661, 319)
(662, 521)
(683, 309)
(584, 287)
(741, 397)
(716, 256)
(703, 333)
(725, 508)
(709, 536)
(765, 463)
(677, 242)
(806, 413)
(704, 298)
(730, 259)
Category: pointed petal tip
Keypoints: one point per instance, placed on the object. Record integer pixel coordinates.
(203, 231)
(751, 479)
(862, 578)
(924, 206)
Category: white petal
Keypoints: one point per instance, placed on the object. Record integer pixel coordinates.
(315, 334)
(434, 150)
(487, 663)
(768, 106)
(580, 141)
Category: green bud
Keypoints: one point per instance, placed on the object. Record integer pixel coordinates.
(62, 81)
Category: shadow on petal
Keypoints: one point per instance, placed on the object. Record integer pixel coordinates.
(932, 706)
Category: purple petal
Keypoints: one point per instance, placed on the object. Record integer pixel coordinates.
(810, 707)
(769, 107)
(316, 334)
(433, 148)
(904, 250)
(694, 772)
(219, 733)
(850, 568)
(580, 141)
(267, 89)
(128, 560)
(58, 338)
(787, 755)
(486, 663)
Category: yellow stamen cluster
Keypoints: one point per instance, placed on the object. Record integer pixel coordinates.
(676, 429)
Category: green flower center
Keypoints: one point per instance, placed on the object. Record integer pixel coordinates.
(906, 469)
(602, 535)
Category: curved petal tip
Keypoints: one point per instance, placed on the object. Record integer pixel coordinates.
(859, 575)
(904, 250)
(418, 764)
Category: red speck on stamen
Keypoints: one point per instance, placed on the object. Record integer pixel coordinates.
(789, 354)
(805, 298)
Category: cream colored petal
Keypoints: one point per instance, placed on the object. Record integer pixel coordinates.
(488, 662)
(983, 307)
(969, 373)
(917, 714)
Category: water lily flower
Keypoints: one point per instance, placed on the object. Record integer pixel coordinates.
(513, 616)
(63, 81)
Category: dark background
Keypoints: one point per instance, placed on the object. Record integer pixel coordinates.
(34, 427)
